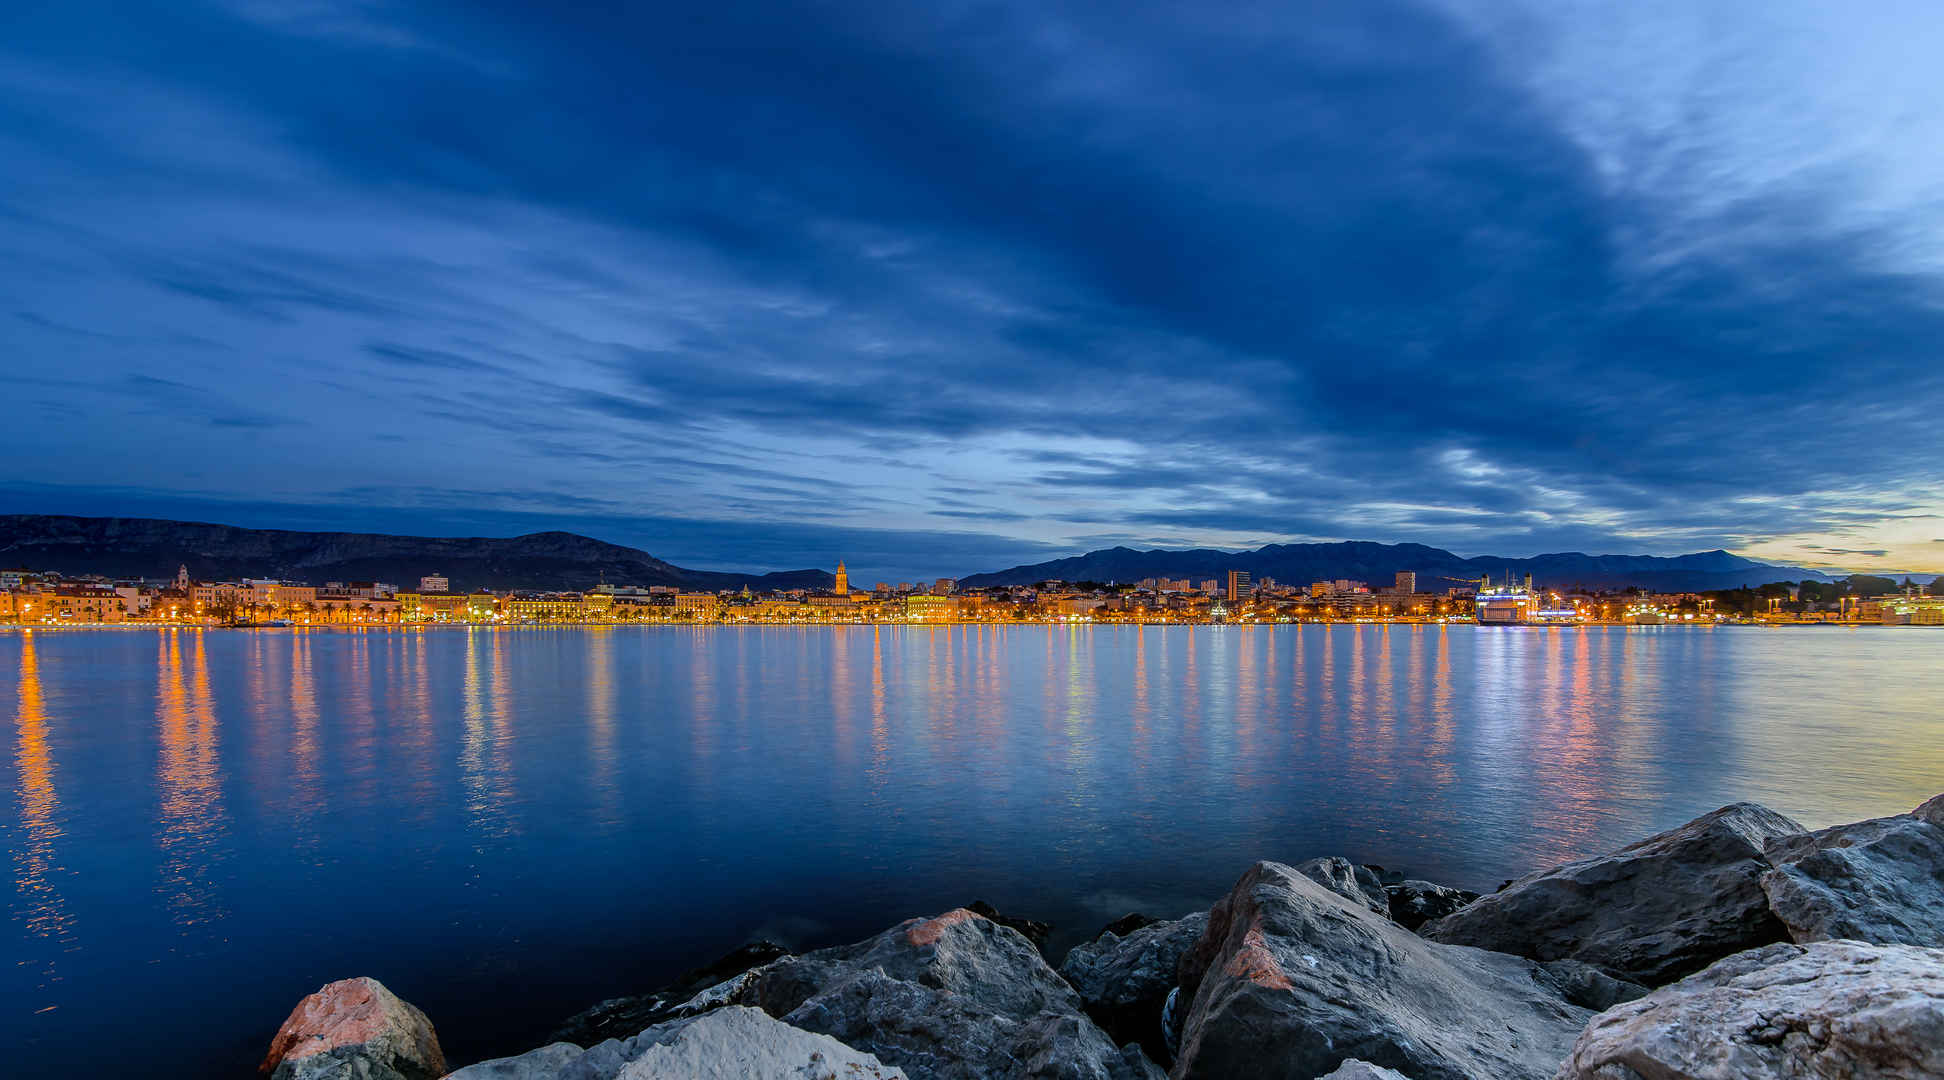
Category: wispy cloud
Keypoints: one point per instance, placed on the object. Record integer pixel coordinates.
(1503, 277)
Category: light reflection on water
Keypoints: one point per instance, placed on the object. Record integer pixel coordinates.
(212, 823)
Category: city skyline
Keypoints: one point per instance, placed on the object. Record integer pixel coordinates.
(761, 289)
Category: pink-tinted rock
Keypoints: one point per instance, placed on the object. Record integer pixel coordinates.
(354, 1028)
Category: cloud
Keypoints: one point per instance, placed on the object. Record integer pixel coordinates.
(1482, 276)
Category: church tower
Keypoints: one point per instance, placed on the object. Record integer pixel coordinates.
(182, 577)
(842, 587)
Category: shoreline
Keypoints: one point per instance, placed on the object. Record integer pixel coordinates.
(144, 624)
(1648, 955)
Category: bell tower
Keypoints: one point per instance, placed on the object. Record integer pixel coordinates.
(842, 587)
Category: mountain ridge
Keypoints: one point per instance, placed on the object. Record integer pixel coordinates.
(1377, 563)
(154, 547)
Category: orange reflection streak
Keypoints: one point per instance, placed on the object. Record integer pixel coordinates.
(1359, 681)
(412, 719)
(472, 746)
(361, 763)
(499, 766)
(40, 905)
(1248, 705)
(189, 781)
(1326, 678)
(600, 715)
(305, 781)
(880, 734)
(841, 704)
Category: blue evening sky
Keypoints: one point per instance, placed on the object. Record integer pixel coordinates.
(942, 287)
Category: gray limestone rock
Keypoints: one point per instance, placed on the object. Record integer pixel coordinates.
(1414, 903)
(955, 997)
(1880, 881)
(1648, 913)
(1352, 1069)
(354, 1029)
(1124, 980)
(732, 1041)
(1826, 1009)
(740, 1043)
(1347, 879)
(1291, 978)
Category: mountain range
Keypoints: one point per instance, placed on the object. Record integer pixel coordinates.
(1436, 569)
(150, 548)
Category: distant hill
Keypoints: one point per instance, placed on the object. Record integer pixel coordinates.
(149, 548)
(1437, 569)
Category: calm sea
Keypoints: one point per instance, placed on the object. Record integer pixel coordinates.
(508, 825)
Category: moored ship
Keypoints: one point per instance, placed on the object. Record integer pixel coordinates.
(1504, 605)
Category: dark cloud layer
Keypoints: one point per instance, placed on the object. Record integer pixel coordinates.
(746, 284)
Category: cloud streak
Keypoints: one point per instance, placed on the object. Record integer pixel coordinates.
(1462, 274)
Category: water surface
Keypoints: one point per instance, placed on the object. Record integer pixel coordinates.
(508, 825)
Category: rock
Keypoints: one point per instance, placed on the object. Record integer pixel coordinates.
(950, 998)
(1127, 924)
(354, 1029)
(623, 1017)
(1414, 903)
(1290, 978)
(547, 1063)
(1826, 1009)
(1347, 879)
(740, 1043)
(1589, 987)
(1932, 811)
(1352, 1069)
(734, 1041)
(1123, 980)
(1880, 881)
(1035, 931)
(1386, 877)
(1649, 913)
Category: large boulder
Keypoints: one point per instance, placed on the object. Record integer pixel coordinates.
(1034, 930)
(955, 997)
(731, 1043)
(1353, 1069)
(1349, 880)
(1291, 978)
(1414, 903)
(1932, 810)
(1648, 913)
(623, 1017)
(740, 1043)
(354, 1029)
(1826, 1009)
(1123, 979)
(1880, 881)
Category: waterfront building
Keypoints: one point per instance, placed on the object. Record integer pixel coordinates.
(945, 586)
(544, 607)
(1405, 582)
(1238, 586)
(926, 607)
(81, 604)
(699, 606)
(434, 583)
(433, 607)
(1913, 608)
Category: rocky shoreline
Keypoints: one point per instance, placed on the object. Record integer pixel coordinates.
(1738, 946)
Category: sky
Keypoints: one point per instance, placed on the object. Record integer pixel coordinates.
(943, 287)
